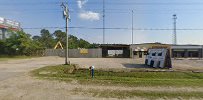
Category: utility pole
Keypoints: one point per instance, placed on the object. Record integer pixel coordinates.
(132, 55)
(174, 30)
(132, 26)
(103, 22)
(67, 17)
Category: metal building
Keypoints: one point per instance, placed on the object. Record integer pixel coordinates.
(176, 51)
(140, 50)
(187, 51)
(115, 51)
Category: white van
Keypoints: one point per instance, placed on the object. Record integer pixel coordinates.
(158, 58)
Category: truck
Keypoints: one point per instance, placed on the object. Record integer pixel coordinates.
(158, 58)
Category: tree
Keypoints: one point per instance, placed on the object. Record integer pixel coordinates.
(73, 42)
(83, 44)
(36, 38)
(94, 45)
(47, 39)
(20, 43)
(60, 36)
(2, 46)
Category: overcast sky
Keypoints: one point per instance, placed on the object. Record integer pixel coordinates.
(148, 14)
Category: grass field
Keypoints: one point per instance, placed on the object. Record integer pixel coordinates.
(126, 79)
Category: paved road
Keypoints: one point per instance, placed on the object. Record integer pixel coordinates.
(13, 68)
(15, 84)
(7, 75)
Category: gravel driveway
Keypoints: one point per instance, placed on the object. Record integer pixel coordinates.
(16, 84)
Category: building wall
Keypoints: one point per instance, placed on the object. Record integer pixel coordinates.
(177, 51)
(187, 51)
(140, 50)
(75, 53)
(115, 51)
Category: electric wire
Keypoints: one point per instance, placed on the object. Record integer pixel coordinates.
(117, 28)
(107, 2)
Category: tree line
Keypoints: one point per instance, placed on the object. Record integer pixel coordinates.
(21, 43)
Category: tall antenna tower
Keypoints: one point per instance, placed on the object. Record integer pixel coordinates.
(132, 26)
(174, 30)
(103, 22)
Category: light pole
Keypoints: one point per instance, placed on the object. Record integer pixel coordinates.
(103, 21)
(67, 17)
(132, 26)
(132, 33)
(174, 30)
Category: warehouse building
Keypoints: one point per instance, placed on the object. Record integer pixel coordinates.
(140, 50)
(6, 25)
(115, 51)
(177, 51)
(187, 51)
(131, 51)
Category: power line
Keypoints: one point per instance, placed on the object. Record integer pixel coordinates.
(100, 10)
(117, 28)
(107, 11)
(134, 3)
(108, 3)
(30, 3)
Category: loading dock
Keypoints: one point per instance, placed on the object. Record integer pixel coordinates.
(115, 51)
(177, 51)
(186, 51)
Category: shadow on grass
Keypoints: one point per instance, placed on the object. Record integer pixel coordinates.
(136, 66)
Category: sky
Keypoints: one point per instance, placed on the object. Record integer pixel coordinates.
(148, 14)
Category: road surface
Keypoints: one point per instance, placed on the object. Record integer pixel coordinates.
(17, 84)
(13, 68)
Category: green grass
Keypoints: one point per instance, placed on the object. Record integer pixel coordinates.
(5, 58)
(180, 79)
(122, 94)
(127, 79)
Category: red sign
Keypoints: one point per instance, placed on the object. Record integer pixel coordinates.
(6, 27)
